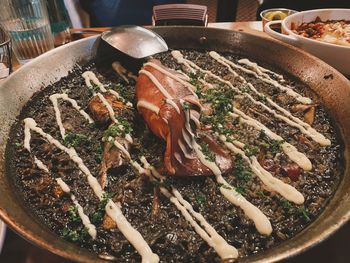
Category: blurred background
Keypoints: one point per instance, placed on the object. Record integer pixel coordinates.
(114, 12)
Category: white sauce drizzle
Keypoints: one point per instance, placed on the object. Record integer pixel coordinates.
(173, 104)
(286, 190)
(169, 74)
(148, 105)
(54, 99)
(120, 147)
(194, 118)
(253, 65)
(286, 89)
(108, 107)
(207, 233)
(295, 122)
(30, 124)
(131, 234)
(182, 146)
(261, 222)
(224, 250)
(90, 76)
(156, 82)
(178, 157)
(296, 156)
(84, 218)
(187, 138)
(91, 228)
(41, 165)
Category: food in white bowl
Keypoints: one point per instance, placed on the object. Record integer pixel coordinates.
(331, 31)
(326, 40)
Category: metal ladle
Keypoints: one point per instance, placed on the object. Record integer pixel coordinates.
(135, 41)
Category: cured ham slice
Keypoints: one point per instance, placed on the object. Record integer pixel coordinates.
(171, 109)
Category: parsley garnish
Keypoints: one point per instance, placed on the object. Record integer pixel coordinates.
(73, 213)
(304, 213)
(250, 150)
(186, 106)
(120, 129)
(200, 199)
(242, 172)
(97, 216)
(74, 235)
(236, 120)
(240, 190)
(75, 139)
(125, 92)
(209, 155)
(93, 88)
(286, 205)
(262, 98)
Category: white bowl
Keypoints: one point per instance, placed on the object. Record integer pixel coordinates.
(335, 55)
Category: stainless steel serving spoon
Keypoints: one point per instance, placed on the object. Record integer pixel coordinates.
(135, 41)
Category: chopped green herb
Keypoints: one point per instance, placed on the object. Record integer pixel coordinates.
(200, 199)
(97, 216)
(73, 213)
(167, 182)
(261, 194)
(243, 173)
(223, 130)
(245, 89)
(262, 98)
(186, 106)
(275, 146)
(236, 120)
(304, 213)
(240, 190)
(250, 150)
(99, 152)
(93, 88)
(125, 92)
(71, 235)
(74, 235)
(120, 129)
(18, 144)
(262, 134)
(286, 205)
(75, 139)
(209, 155)
(93, 125)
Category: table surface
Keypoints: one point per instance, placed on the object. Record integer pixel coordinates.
(334, 249)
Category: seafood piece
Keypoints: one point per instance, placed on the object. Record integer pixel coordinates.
(112, 156)
(171, 109)
(99, 111)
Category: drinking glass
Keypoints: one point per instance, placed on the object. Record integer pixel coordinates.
(28, 26)
(5, 56)
(59, 21)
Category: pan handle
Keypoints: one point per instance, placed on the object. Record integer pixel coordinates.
(282, 37)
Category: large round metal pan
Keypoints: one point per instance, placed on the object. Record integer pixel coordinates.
(331, 86)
